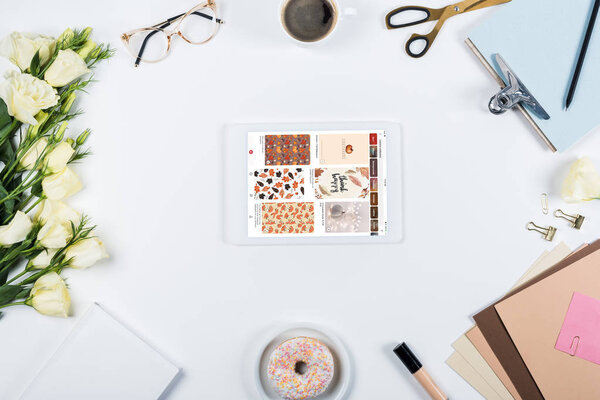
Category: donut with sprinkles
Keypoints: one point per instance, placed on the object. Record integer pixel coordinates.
(300, 368)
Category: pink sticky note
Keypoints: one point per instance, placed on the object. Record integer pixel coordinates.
(580, 333)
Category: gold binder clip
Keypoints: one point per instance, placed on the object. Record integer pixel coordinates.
(575, 220)
(545, 206)
(548, 232)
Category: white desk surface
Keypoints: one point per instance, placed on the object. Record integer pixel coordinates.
(471, 181)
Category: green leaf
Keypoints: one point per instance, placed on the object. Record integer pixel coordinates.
(3, 192)
(37, 189)
(7, 153)
(7, 206)
(23, 294)
(5, 119)
(34, 68)
(9, 129)
(8, 293)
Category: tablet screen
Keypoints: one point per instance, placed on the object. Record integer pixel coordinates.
(317, 183)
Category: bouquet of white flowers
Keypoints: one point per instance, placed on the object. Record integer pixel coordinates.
(35, 168)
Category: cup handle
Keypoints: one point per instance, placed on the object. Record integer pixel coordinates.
(350, 12)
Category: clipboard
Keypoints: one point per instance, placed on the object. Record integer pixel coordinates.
(541, 45)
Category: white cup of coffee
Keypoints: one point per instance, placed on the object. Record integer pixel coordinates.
(311, 21)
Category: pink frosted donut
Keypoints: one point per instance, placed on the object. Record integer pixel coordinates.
(300, 368)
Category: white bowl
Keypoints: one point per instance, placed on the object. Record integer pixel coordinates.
(340, 384)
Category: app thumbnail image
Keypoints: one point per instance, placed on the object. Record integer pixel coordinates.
(278, 183)
(287, 150)
(288, 218)
(344, 183)
(344, 149)
(347, 217)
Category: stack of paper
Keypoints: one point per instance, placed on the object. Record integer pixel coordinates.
(474, 360)
(542, 340)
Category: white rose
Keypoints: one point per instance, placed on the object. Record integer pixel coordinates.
(16, 231)
(85, 253)
(49, 296)
(20, 48)
(61, 185)
(58, 210)
(43, 259)
(26, 95)
(67, 67)
(30, 158)
(54, 234)
(582, 183)
(58, 158)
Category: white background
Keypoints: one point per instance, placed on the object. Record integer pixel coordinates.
(154, 186)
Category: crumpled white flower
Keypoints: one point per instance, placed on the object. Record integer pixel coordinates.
(582, 183)
(20, 47)
(54, 234)
(26, 95)
(58, 158)
(49, 296)
(58, 210)
(86, 253)
(65, 68)
(61, 185)
(43, 259)
(16, 231)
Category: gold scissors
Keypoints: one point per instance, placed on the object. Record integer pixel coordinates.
(434, 14)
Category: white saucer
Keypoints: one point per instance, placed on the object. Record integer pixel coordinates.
(339, 386)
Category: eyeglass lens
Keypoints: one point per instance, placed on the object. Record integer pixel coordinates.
(152, 44)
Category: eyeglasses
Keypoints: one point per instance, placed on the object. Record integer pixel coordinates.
(153, 44)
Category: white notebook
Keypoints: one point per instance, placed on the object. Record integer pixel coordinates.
(102, 359)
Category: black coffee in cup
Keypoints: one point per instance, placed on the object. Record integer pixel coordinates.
(309, 20)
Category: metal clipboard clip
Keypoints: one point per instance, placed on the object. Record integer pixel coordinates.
(514, 93)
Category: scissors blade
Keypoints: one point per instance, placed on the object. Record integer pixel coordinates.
(472, 5)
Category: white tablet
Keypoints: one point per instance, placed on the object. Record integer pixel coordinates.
(313, 183)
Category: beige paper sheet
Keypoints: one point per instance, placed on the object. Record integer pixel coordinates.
(468, 373)
(465, 348)
(559, 253)
(534, 317)
(490, 374)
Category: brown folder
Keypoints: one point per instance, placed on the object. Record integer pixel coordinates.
(496, 335)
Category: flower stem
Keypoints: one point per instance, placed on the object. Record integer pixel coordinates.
(14, 278)
(38, 201)
(18, 303)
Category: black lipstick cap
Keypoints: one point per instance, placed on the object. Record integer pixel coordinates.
(408, 358)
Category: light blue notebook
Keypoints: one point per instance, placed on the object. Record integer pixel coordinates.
(540, 41)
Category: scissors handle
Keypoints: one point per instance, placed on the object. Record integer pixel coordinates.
(416, 38)
(430, 15)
